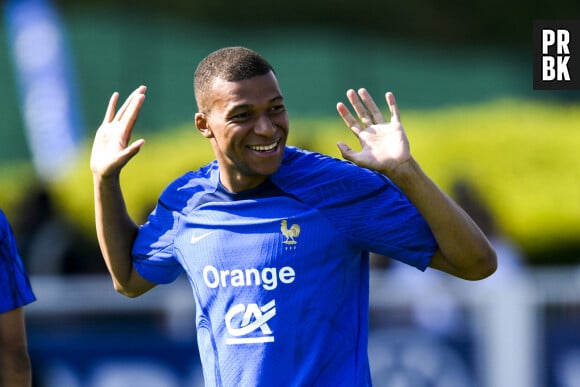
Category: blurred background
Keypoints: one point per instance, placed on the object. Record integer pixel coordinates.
(462, 74)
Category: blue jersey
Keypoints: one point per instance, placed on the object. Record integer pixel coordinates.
(280, 273)
(15, 289)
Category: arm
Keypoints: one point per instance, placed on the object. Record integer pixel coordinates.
(116, 231)
(464, 251)
(15, 367)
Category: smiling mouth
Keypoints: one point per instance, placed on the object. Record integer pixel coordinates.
(264, 148)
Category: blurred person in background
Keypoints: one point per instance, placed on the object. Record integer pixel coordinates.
(15, 293)
(508, 253)
(48, 243)
(275, 239)
(437, 309)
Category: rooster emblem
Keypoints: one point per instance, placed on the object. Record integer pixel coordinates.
(289, 233)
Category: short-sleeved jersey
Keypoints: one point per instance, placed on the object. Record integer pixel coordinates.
(15, 289)
(280, 273)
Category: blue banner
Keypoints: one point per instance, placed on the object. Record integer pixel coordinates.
(43, 72)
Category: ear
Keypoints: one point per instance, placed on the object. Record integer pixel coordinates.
(202, 125)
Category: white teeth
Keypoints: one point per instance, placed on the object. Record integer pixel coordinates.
(264, 148)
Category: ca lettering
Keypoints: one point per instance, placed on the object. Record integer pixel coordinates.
(243, 320)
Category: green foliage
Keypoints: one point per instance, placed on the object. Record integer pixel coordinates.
(521, 156)
(444, 20)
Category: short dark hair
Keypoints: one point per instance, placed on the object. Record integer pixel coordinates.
(230, 64)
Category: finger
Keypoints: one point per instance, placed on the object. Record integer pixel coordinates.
(376, 114)
(124, 107)
(130, 151)
(130, 117)
(110, 113)
(132, 110)
(359, 108)
(394, 109)
(348, 118)
(134, 147)
(138, 91)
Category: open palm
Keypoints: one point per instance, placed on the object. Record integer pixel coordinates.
(111, 148)
(384, 145)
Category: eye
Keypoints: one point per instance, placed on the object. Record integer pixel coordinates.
(278, 108)
(241, 116)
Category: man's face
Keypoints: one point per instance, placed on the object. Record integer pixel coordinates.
(247, 123)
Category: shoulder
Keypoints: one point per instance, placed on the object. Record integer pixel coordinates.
(305, 173)
(184, 191)
(297, 157)
(5, 229)
(300, 161)
(3, 219)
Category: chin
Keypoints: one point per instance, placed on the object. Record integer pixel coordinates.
(269, 170)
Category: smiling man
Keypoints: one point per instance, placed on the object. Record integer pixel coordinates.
(247, 124)
(275, 240)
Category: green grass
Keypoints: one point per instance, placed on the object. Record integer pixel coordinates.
(522, 156)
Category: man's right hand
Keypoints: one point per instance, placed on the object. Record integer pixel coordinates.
(111, 148)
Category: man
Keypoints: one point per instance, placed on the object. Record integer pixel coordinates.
(15, 293)
(274, 239)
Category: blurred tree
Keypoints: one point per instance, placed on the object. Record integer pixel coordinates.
(494, 22)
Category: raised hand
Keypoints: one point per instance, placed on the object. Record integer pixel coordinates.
(384, 145)
(111, 148)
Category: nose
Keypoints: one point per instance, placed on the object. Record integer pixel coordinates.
(265, 126)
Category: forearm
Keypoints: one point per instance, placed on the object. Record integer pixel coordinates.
(116, 231)
(15, 369)
(464, 249)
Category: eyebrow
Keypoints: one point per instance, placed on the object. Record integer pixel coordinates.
(249, 106)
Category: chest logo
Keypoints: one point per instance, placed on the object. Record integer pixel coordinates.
(290, 234)
(248, 324)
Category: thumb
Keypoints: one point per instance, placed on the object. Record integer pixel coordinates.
(346, 151)
(129, 152)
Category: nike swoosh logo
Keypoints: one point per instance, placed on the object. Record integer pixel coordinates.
(195, 239)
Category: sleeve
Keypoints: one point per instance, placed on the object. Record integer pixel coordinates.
(153, 250)
(385, 222)
(364, 206)
(15, 288)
